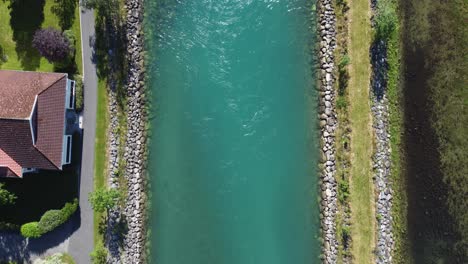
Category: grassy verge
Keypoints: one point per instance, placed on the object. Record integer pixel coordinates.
(110, 69)
(100, 158)
(361, 185)
(17, 27)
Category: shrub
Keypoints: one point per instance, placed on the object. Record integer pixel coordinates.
(52, 44)
(6, 197)
(5, 226)
(341, 102)
(70, 36)
(99, 255)
(78, 92)
(69, 209)
(31, 230)
(50, 220)
(345, 233)
(343, 191)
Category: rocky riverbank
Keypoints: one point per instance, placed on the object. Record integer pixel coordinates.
(135, 149)
(328, 124)
(112, 239)
(382, 156)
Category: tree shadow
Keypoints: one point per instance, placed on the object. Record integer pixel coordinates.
(3, 57)
(65, 11)
(26, 16)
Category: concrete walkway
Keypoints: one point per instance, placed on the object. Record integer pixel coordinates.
(81, 242)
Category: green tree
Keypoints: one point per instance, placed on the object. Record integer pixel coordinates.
(6, 197)
(103, 200)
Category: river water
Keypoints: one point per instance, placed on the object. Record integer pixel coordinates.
(234, 146)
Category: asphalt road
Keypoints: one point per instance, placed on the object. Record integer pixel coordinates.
(81, 242)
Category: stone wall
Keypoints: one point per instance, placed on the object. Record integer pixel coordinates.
(134, 245)
(382, 156)
(328, 123)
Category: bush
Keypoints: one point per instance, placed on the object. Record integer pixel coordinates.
(103, 200)
(5, 226)
(52, 44)
(6, 197)
(69, 209)
(99, 255)
(343, 191)
(50, 220)
(31, 230)
(78, 92)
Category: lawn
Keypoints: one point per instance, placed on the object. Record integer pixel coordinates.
(361, 184)
(17, 27)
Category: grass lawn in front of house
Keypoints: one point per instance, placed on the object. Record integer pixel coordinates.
(17, 27)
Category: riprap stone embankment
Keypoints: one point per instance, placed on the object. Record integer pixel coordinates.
(135, 149)
(328, 123)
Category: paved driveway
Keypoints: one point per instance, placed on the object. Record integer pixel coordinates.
(81, 242)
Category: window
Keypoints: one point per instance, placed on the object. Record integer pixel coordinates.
(68, 159)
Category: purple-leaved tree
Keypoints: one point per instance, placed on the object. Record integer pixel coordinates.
(52, 44)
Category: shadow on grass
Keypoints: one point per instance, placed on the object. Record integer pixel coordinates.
(26, 16)
(65, 11)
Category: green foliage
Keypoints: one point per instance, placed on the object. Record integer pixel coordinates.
(345, 61)
(343, 191)
(49, 220)
(341, 102)
(31, 230)
(6, 197)
(103, 200)
(345, 234)
(99, 255)
(58, 258)
(65, 12)
(386, 20)
(5, 226)
(78, 92)
(69, 209)
(70, 36)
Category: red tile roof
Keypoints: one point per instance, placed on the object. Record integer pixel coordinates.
(16, 142)
(8, 167)
(51, 121)
(18, 91)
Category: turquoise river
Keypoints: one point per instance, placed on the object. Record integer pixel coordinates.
(234, 139)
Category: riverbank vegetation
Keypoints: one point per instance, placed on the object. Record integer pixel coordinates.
(342, 133)
(447, 53)
(361, 191)
(387, 29)
(434, 37)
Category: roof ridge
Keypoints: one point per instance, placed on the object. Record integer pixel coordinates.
(45, 156)
(52, 84)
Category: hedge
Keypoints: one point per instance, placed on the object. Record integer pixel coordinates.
(49, 221)
(31, 230)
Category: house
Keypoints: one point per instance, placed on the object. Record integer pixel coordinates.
(33, 121)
